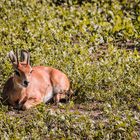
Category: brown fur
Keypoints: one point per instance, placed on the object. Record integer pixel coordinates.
(42, 82)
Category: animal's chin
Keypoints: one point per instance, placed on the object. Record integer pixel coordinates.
(21, 86)
(25, 86)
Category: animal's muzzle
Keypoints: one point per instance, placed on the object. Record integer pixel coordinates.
(26, 83)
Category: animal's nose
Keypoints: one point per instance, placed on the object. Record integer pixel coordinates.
(26, 83)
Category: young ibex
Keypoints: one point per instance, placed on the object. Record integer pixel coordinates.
(29, 86)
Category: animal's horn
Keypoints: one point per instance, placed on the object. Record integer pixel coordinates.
(17, 56)
(28, 58)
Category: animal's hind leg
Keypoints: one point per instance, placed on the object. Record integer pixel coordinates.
(58, 97)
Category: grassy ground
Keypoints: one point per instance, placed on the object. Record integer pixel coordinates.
(97, 45)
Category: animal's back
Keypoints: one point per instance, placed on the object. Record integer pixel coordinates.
(56, 77)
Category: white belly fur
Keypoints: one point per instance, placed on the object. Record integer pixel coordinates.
(47, 97)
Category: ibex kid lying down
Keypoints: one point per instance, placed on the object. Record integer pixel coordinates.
(29, 86)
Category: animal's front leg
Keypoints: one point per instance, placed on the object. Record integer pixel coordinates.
(31, 102)
(21, 102)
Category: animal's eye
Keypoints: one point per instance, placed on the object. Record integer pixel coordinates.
(31, 71)
(17, 73)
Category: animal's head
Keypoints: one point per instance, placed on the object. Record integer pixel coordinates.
(22, 68)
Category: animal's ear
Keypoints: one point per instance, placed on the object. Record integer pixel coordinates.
(25, 56)
(13, 58)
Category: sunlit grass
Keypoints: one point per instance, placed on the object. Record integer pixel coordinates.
(97, 45)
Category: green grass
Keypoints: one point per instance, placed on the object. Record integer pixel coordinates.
(97, 45)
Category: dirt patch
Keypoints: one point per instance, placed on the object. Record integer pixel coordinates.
(91, 109)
